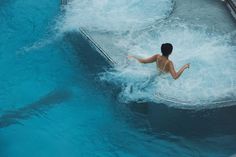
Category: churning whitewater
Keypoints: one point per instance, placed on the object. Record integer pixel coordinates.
(139, 28)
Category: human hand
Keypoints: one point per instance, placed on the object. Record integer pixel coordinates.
(186, 66)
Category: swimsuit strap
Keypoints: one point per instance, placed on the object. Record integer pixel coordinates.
(163, 69)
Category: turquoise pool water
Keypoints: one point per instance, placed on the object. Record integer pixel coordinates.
(52, 102)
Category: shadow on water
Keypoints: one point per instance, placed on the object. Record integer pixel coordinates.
(90, 58)
(93, 63)
(55, 97)
(188, 123)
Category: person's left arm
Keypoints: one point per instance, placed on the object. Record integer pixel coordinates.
(146, 60)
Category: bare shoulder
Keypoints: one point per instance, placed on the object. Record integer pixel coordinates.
(158, 56)
(170, 63)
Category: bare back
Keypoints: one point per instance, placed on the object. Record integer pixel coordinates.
(163, 64)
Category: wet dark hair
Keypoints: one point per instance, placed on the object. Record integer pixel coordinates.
(166, 49)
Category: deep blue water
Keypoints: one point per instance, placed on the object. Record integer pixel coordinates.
(52, 102)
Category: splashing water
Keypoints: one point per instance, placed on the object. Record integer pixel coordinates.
(115, 15)
(210, 82)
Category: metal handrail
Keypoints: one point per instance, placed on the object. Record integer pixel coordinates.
(94, 43)
(232, 4)
(97, 46)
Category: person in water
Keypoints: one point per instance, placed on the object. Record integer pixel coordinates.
(163, 63)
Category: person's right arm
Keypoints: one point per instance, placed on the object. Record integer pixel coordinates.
(146, 60)
(175, 74)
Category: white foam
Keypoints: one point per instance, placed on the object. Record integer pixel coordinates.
(114, 15)
(211, 78)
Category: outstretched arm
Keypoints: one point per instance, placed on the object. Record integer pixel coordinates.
(175, 74)
(145, 60)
